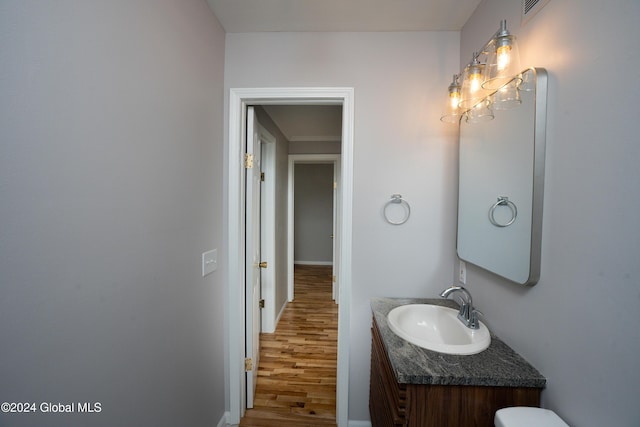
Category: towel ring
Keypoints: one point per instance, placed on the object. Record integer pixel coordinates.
(396, 199)
(503, 201)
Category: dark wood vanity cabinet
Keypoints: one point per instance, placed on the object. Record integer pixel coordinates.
(394, 404)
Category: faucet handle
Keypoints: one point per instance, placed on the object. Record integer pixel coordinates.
(474, 323)
(463, 307)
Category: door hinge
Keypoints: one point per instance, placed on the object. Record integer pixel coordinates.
(335, 185)
(248, 364)
(262, 176)
(261, 303)
(333, 278)
(248, 161)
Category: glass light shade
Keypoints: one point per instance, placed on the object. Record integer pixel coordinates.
(472, 90)
(451, 118)
(503, 62)
(508, 96)
(453, 112)
(528, 83)
(481, 112)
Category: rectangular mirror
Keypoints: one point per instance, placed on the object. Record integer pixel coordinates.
(501, 184)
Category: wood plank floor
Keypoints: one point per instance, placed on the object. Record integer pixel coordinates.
(297, 371)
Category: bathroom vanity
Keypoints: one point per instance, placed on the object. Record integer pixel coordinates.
(412, 386)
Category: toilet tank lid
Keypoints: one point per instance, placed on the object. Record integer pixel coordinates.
(522, 416)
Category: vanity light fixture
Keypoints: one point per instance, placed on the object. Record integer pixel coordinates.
(472, 79)
(452, 112)
(490, 81)
(503, 59)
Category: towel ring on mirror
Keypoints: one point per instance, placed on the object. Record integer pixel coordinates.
(396, 199)
(503, 201)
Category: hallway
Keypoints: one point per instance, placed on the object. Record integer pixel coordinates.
(297, 371)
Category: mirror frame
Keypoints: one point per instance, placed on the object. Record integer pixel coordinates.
(540, 79)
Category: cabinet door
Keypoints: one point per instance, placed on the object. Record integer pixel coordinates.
(468, 406)
(387, 398)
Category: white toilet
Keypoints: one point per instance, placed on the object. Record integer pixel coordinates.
(521, 416)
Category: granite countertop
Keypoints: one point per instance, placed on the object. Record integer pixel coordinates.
(497, 366)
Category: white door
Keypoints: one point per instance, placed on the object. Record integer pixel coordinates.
(252, 256)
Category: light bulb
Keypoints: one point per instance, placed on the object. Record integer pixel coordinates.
(503, 54)
(454, 99)
(475, 80)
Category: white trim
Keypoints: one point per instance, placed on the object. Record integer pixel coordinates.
(355, 423)
(223, 420)
(235, 241)
(238, 99)
(314, 158)
(281, 311)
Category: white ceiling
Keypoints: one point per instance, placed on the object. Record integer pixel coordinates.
(244, 16)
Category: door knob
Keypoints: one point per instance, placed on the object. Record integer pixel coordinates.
(263, 264)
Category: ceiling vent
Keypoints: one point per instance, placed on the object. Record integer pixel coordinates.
(530, 8)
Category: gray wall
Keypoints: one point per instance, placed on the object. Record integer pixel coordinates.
(579, 324)
(400, 147)
(313, 213)
(111, 188)
(315, 147)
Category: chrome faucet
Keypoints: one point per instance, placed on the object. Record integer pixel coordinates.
(467, 314)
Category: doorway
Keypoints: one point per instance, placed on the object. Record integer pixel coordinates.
(238, 101)
(315, 159)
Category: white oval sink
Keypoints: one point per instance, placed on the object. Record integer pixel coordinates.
(437, 328)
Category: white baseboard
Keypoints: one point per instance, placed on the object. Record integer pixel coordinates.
(223, 420)
(355, 423)
(313, 262)
(280, 313)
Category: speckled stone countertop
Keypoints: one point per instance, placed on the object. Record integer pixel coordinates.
(497, 366)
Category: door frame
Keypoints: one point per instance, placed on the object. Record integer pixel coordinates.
(253, 255)
(239, 98)
(294, 159)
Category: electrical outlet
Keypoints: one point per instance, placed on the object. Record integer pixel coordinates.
(462, 272)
